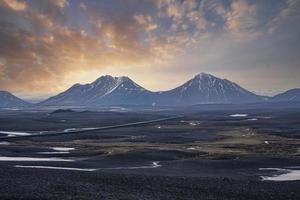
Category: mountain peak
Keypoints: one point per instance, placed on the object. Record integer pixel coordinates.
(123, 78)
(206, 88)
(106, 89)
(104, 78)
(110, 78)
(204, 75)
(4, 92)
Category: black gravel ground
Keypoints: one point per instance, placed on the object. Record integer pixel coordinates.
(185, 174)
(17, 183)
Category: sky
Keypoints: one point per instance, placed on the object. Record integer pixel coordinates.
(48, 45)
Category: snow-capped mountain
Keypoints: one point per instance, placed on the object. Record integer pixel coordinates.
(206, 88)
(106, 90)
(292, 95)
(8, 100)
(110, 91)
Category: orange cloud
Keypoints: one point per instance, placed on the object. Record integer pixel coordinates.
(17, 5)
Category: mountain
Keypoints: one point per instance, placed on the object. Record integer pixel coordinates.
(207, 89)
(106, 90)
(290, 96)
(63, 111)
(7, 100)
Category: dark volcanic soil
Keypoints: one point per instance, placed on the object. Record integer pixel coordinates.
(45, 184)
(203, 155)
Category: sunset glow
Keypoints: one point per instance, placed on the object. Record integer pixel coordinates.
(47, 46)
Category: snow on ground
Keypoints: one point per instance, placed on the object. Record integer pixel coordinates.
(153, 165)
(191, 148)
(191, 123)
(63, 148)
(31, 159)
(12, 133)
(253, 119)
(78, 129)
(53, 152)
(50, 167)
(119, 109)
(238, 115)
(58, 150)
(4, 143)
(194, 123)
(284, 174)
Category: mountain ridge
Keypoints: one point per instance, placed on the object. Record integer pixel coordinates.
(107, 90)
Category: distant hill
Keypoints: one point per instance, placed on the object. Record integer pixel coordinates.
(63, 111)
(292, 95)
(8, 100)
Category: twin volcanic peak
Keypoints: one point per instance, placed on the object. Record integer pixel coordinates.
(108, 90)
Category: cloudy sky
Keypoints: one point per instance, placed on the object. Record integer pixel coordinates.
(48, 45)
